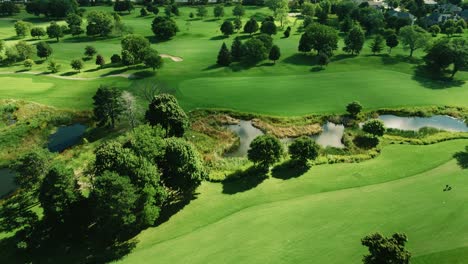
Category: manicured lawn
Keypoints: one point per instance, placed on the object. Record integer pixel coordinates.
(294, 86)
(322, 214)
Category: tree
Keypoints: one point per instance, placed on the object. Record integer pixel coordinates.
(74, 22)
(77, 64)
(254, 50)
(155, 10)
(374, 127)
(90, 51)
(28, 63)
(275, 53)
(175, 10)
(114, 203)
(308, 9)
(237, 24)
(9, 8)
(22, 28)
(167, 10)
(143, 12)
(265, 150)
(227, 28)
(238, 11)
(323, 59)
(53, 66)
(121, 6)
(131, 108)
(434, 30)
(251, 26)
(182, 168)
(115, 58)
(444, 53)
(267, 40)
(354, 40)
(152, 59)
(25, 50)
(304, 149)
(108, 105)
(321, 38)
(99, 23)
(224, 56)
(386, 250)
(31, 169)
(347, 24)
(164, 28)
(37, 32)
(391, 41)
(287, 32)
(218, 11)
(268, 27)
(136, 45)
(55, 31)
(164, 110)
(354, 108)
(16, 213)
(377, 44)
(58, 193)
(413, 38)
(281, 12)
(127, 58)
(236, 49)
(202, 11)
(100, 61)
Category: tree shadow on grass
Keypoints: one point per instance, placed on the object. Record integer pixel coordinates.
(212, 67)
(169, 210)
(300, 59)
(462, 159)
(22, 70)
(317, 69)
(144, 74)
(388, 59)
(288, 170)
(241, 181)
(220, 37)
(340, 57)
(429, 80)
(70, 73)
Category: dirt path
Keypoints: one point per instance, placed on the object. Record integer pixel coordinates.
(173, 58)
(128, 76)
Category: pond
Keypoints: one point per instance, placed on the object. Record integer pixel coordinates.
(442, 122)
(65, 137)
(7, 182)
(247, 133)
(330, 137)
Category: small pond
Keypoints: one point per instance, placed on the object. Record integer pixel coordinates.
(7, 182)
(415, 123)
(65, 137)
(247, 133)
(330, 136)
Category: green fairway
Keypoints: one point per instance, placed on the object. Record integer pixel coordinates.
(293, 86)
(323, 214)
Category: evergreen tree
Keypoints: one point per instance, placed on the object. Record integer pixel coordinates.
(275, 53)
(391, 42)
(224, 56)
(251, 26)
(236, 49)
(108, 105)
(227, 28)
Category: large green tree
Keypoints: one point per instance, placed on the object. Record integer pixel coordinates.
(386, 250)
(265, 151)
(414, 37)
(321, 38)
(108, 105)
(254, 50)
(354, 40)
(182, 168)
(164, 28)
(55, 31)
(304, 149)
(224, 56)
(164, 110)
(58, 194)
(136, 45)
(444, 53)
(251, 26)
(99, 23)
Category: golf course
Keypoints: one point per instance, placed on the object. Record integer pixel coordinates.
(151, 178)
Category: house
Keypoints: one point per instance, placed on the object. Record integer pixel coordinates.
(438, 18)
(449, 9)
(430, 2)
(464, 14)
(402, 15)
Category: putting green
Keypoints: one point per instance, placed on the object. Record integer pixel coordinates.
(323, 214)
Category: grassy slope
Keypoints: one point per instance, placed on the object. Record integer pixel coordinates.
(291, 87)
(295, 220)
